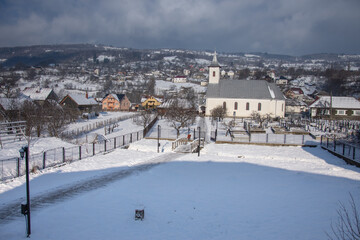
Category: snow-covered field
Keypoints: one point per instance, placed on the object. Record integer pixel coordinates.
(229, 192)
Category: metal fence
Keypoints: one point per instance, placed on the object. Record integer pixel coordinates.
(15, 167)
(170, 133)
(347, 151)
(266, 138)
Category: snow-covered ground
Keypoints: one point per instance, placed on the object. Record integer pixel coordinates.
(229, 192)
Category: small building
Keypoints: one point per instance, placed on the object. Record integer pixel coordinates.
(40, 95)
(294, 93)
(295, 107)
(282, 81)
(335, 107)
(180, 79)
(81, 102)
(116, 102)
(150, 102)
(183, 103)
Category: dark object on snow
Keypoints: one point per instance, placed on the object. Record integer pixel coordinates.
(139, 214)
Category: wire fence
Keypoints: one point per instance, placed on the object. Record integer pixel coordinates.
(350, 152)
(15, 167)
(263, 138)
(93, 126)
(171, 133)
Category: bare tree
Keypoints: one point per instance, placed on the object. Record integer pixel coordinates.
(347, 226)
(180, 114)
(218, 112)
(260, 118)
(55, 117)
(144, 118)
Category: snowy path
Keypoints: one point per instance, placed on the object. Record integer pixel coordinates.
(11, 211)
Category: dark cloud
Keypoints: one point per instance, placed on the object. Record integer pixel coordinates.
(278, 26)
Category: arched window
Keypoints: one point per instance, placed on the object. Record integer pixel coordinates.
(259, 106)
(214, 73)
(247, 106)
(235, 106)
(224, 105)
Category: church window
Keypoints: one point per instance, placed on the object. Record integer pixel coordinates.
(235, 106)
(259, 106)
(224, 105)
(214, 73)
(247, 106)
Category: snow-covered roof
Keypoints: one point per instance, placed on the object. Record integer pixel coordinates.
(81, 99)
(336, 102)
(37, 93)
(181, 103)
(118, 97)
(13, 103)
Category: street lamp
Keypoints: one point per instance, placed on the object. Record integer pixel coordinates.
(25, 208)
(158, 138)
(199, 143)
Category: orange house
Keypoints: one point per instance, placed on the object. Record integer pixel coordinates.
(116, 102)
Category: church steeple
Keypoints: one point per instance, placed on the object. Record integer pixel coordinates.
(214, 70)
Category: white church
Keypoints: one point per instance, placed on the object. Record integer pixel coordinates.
(242, 97)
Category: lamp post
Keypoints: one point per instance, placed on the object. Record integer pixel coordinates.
(158, 138)
(25, 209)
(199, 143)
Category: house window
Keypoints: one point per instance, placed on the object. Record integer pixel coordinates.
(356, 112)
(247, 106)
(235, 106)
(340, 112)
(214, 73)
(259, 106)
(224, 105)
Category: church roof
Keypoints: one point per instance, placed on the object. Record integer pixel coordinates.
(244, 89)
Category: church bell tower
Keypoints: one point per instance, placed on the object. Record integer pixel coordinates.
(214, 71)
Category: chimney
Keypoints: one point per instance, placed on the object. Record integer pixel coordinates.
(87, 95)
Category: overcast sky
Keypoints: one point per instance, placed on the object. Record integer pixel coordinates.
(294, 27)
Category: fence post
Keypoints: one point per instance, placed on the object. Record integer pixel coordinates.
(18, 167)
(63, 154)
(343, 149)
(353, 153)
(327, 142)
(334, 145)
(44, 160)
(105, 146)
(137, 136)
(130, 137)
(321, 140)
(215, 134)
(123, 140)
(79, 152)
(267, 137)
(284, 138)
(93, 149)
(303, 139)
(194, 134)
(114, 142)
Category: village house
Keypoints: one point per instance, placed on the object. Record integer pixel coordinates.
(334, 107)
(40, 95)
(116, 102)
(150, 102)
(294, 93)
(180, 79)
(82, 102)
(241, 98)
(295, 107)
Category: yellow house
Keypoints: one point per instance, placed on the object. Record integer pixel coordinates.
(150, 102)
